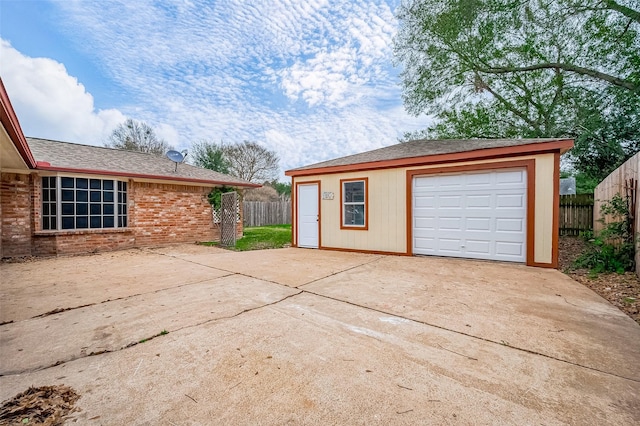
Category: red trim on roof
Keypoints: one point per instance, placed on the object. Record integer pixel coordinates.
(561, 146)
(44, 166)
(12, 125)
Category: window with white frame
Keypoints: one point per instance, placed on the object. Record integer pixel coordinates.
(354, 203)
(83, 203)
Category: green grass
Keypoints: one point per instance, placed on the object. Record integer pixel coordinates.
(264, 237)
(259, 238)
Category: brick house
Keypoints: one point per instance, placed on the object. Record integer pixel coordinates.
(64, 198)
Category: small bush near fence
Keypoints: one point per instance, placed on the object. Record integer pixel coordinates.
(576, 214)
(612, 250)
(261, 213)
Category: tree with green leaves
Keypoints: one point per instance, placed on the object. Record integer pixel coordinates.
(524, 68)
(604, 140)
(283, 188)
(133, 135)
(210, 155)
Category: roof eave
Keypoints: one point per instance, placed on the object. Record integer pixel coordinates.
(561, 146)
(12, 125)
(45, 167)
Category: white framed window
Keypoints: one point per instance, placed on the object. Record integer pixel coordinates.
(354, 209)
(70, 203)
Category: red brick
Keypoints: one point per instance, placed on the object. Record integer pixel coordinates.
(159, 214)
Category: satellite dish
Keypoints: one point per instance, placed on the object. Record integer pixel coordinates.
(176, 157)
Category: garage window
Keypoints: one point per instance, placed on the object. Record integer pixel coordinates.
(354, 203)
(83, 203)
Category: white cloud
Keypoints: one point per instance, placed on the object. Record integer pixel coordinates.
(169, 134)
(309, 79)
(50, 103)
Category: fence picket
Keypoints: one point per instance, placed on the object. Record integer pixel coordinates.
(576, 214)
(261, 213)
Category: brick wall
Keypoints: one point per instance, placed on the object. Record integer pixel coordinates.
(15, 217)
(164, 214)
(159, 214)
(75, 242)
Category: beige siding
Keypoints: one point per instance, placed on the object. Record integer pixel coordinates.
(387, 208)
(544, 231)
(386, 202)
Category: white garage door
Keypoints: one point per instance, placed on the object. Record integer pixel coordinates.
(480, 215)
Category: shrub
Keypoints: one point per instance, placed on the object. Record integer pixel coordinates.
(215, 196)
(613, 249)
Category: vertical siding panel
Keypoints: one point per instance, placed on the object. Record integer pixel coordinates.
(400, 208)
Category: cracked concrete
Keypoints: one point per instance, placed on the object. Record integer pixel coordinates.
(117, 324)
(316, 337)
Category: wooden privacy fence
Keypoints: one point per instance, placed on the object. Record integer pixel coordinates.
(622, 181)
(576, 214)
(260, 213)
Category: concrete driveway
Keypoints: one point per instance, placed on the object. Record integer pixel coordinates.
(315, 337)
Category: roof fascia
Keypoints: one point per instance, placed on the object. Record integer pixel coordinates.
(12, 125)
(560, 146)
(44, 167)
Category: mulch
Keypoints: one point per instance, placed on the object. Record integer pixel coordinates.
(46, 405)
(621, 290)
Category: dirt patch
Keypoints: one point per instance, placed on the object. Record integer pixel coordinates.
(46, 405)
(621, 290)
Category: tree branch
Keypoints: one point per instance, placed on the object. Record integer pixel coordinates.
(616, 81)
(626, 11)
(510, 106)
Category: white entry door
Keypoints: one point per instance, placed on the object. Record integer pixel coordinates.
(479, 215)
(308, 218)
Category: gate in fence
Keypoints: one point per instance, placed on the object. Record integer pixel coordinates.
(576, 214)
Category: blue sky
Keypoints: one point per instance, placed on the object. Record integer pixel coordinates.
(309, 79)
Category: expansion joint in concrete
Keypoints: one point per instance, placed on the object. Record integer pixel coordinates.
(474, 337)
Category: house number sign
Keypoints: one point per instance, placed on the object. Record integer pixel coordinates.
(327, 195)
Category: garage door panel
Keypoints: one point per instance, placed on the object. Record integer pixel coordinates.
(509, 224)
(428, 201)
(424, 185)
(478, 180)
(482, 247)
(504, 248)
(476, 214)
(449, 201)
(450, 182)
(450, 223)
(482, 201)
(425, 223)
(478, 224)
(509, 201)
(510, 177)
(449, 245)
(427, 245)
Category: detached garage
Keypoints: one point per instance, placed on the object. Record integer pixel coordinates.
(482, 199)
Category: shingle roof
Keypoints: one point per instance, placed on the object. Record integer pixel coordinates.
(65, 156)
(422, 148)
